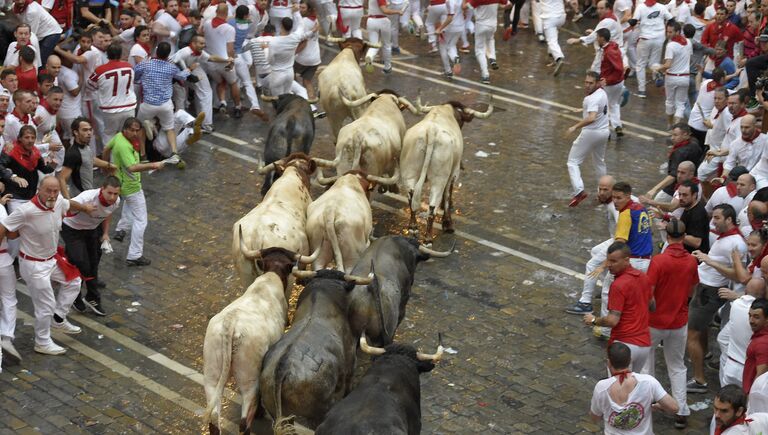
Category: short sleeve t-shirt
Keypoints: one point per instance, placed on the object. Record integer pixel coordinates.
(757, 355)
(96, 7)
(673, 274)
(633, 417)
(696, 223)
(596, 102)
(125, 156)
(680, 55)
(80, 161)
(634, 226)
(630, 294)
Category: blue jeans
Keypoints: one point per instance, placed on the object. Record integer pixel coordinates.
(47, 45)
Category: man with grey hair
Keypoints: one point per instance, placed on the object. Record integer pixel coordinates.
(684, 148)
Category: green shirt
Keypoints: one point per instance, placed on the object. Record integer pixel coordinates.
(124, 156)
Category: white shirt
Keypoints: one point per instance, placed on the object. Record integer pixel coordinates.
(40, 21)
(38, 229)
(651, 20)
(216, 39)
(620, 7)
(127, 40)
(681, 57)
(716, 135)
(85, 221)
(282, 49)
(137, 51)
(5, 258)
(171, 25)
(457, 23)
(705, 102)
(636, 414)
(12, 127)
(720, 251)
(743, 218)
(47, 125)
(551, 9)
(282, 8)
(721, 196)
(486, 15)
(681, 13)
(758, 395)
(698, 25)
(94, 59)
(70, 106)
(310, 55)
(745, 154)
(738, 331)
(12, 56)
(596, 102)
(760, 170)
(187, 58)
(732, 131)
(617, 33)
(114, 84)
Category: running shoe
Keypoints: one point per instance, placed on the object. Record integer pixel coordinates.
(625, 97)
(493, 64)
(579, 308)
(576, 200)
(693, 386)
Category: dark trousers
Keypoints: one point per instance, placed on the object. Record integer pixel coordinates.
(700, 136)
(755, 68)
(83, 249)
(516, 17)
(47, 45)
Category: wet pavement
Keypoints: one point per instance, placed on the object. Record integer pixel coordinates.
(518, 364)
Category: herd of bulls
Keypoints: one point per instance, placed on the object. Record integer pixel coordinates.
(306, 372)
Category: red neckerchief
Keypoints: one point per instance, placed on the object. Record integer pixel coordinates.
(28, 119)
(719, 111)
(732, 232)
(232, 2)
(146, 47)
(196, 53)
(622, 374)
(103, 200)
(739, 421)
(680, 39)
(754, 136)
(718, 60)
(339, 22)
(18, 45)
(81, 50)
(741, 113)
(610, 15)
(261, 11)
(216, 22)
(27, 159)
(267, 34)
(712, 85)
(312, 17)
(21, 9)
(46, 106)
(650, 3)
(679, 145)
(731, 189)
(41, 206)
(756, 262)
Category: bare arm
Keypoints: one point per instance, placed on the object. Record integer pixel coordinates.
(63, 177)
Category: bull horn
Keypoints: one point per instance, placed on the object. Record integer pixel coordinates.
(385, 181)
(309, 259)
(422, 109)
(434, 357)
(335, 39)
(326, 181)
(482, 115)
(313, 100)
(373, 44)
(439, 254)
(359, 280)
(268, 98)
(267, 168)
(408, 105)
(303, 273)
(326, 163)
(250, 254)
(360, 101)
(370, 350)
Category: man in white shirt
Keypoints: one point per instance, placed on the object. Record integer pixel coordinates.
(69, 80)
(593, 137)
(651, 17)
(113, 82)
(735, 335)
(282, 54)
(280, 9)
(623, 401)
(189, 56)
(22, 114)
(705, 102)
(308, 57)
(552, 14)
(677, 67)
(84, 234)
(486, 21)
(24, 36)
(37, 223)
(607, 21)
(731, 416)
(7, 293)
(380, 33)
(717, 123)
(48, 139)
(41, 23)
(747, 151)
(166, 27)
(220, 42)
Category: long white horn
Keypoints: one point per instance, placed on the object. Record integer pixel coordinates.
(303, 273)
(370, 350)
(359, 280)
(250, 254)
(434, 357)
(335, 39)
(385, 181)
(373, 44)
(326, 181)
(481, 115)
(360, 101)
(327, 163)
(408, 105)
(268, 98)
(439, 254)
(309, 259)
(313, 100)
(422, 109)
(267, 169)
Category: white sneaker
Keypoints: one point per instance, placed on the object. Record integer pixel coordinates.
(149, 129)
(50, 349)
(66, 327)
(8, 348)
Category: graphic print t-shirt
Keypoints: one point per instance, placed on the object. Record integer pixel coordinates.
(633, 417)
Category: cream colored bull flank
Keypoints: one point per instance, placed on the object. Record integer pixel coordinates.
(278, 221)
(339, 222)
(236, 341)
(341, 78)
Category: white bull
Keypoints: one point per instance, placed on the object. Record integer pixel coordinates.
(339, 222)
(237, 338)
(372, 142)
(342, 78)
(279, 220)
(432, 151)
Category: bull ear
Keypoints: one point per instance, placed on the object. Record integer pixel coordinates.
(312, 166)
(425, 366)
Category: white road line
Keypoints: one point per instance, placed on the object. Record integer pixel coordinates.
(229, 138)
(137, 377)
(232, 153)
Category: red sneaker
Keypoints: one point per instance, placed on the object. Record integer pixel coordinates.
(507, 33)
(577, 199)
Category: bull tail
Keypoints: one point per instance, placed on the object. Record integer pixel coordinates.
(226, 362)
(376, 289)
(330, 234)
(357, 143)
(416, 197)
(287, 426)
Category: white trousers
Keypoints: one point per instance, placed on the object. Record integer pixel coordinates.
(708, 169)
(8, 301)
(485, 47)
(630, 44)
(163, 112)
(134, 218)
(328, 14)
(674, 357)
(589, 142)
(38, 275)
(599, 254)
(380, 30)
(396, 22)
(351, 20)
(280, 82)
(731, 371)
(94, 115)
(203, 95)
(242, 69)
(550, 27)
(180, 120)
(536, 15)
(640, 264)
(676, 89)
(436, 14)
(448, 51)
(648, 53)
(417, 11)
(113, 122)
(614, 103)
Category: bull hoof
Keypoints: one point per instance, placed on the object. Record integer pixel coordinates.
(448, 227)
(213, 429)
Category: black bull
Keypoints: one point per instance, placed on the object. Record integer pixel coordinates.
(291, 131)
(386, 401)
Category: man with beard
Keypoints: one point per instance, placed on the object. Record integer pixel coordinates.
(731, 413)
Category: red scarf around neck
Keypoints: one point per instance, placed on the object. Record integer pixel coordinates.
(679, 145)
(622, 375)
(27, 159)
(739, 421)
(732, 232)
(216, 22)
(650, 3)
(712, 85)
(36, 200)
(102, 200)
(611, 15)
(731, 188)
(754, 136)
(24, 119)
(19, 45)
(146, 47)
(680, 39)
(45, 105)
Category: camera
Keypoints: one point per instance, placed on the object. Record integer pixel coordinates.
(761, 82)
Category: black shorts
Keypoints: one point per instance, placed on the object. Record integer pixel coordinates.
(704, 305)
(305, 72)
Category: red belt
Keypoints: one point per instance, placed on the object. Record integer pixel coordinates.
(642, 257)
(437, 3)
(678, 75)
(2, 251)
(351, 7)
(30, 258)
(377, 16)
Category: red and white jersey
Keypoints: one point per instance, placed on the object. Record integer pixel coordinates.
(94, 59)
(282, 8)
(137, 50)
(114, 84)
(486, 11)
